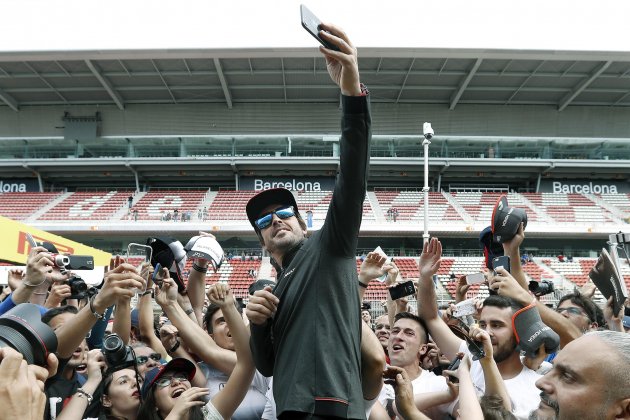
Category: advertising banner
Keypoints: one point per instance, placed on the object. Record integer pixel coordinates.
(584, 186)
(290, 183)
(14, 246)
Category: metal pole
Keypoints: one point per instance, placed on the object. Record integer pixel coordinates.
(425, 236)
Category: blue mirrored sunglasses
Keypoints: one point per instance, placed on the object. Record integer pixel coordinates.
(282, 213)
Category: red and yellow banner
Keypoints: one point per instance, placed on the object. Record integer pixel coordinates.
(14, 246)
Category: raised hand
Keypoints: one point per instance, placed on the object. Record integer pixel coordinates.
(190, 398)
(430, 259)
(372, 267)
(38, 266)
(506, 285)
(167, 294)
(261, 306)
(119, 283)
(169, 335)
(58, 293)
(342, 65)
(221, 295)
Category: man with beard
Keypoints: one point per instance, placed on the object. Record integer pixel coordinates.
(496, 319)
(315, 304)
(590, 379)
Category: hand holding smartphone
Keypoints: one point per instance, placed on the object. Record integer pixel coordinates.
(312, 24)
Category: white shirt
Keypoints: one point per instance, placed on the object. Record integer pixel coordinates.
(524, 395)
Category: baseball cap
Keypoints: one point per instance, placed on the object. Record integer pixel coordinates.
(178, 364)
(257, 203)
(260, 284)
(506, 220)
(205, 247)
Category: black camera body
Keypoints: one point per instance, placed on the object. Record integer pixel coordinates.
(78, 288)
(540, 289)
(117, 354)
(73, 262)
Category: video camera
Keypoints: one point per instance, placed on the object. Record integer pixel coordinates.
(22, 329)
(117, 355)
(541, 289)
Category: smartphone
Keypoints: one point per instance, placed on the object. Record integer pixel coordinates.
(502, 261)
(453, 367)
(475, 278)
(465, 308)
(382, 253)
(312, 24)
(401, 290)
(158, 277)
(138, 254)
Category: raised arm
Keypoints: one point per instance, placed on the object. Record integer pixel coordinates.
(230, 397)
(346, 208)
(199, 341)
(145, 313)
(430, 260)
(371, 268)
(511, 248)
(506, 285)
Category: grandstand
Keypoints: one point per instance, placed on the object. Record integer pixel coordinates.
(197, 131)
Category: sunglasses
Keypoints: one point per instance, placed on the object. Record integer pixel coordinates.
(571, 310)
(282, 213)
(165, 381)
(141, 360)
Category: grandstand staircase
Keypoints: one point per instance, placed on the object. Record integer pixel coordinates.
(458, 207)
(206, 202)
(618, 215)
(376, 207)
(122, 212)
(42, 211)
(539, 212)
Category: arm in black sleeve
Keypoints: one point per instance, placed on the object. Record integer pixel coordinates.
(262, 348)
(343, 221)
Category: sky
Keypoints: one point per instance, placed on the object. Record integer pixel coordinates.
(56, 25)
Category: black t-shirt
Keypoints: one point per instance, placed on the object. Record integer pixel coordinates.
(59, 392)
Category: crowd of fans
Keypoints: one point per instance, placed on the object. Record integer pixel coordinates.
(304, 347)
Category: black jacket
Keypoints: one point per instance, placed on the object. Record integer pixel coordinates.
(312, 345)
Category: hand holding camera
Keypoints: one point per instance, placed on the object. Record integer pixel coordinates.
(38, 266)
(506, 285)
(58, 293)
(95, 366)
(21, 392)
(169, 336)
(481, 336)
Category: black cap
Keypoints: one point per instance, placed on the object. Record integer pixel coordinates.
(259, 285)
(257, 203)
(506, 220)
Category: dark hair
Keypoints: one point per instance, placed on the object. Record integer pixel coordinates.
(51, 313)
(107, 411)
(594, 312)
(492, 408)
(148, 409)
(409, 315)
(207, 318)
(502, 302)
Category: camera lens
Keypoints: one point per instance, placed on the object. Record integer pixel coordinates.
(77, 286)
(22, 329)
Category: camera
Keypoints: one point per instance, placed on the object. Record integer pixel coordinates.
(540, 289)
(22, 329)
(79, 289)
(117, 354)
(73, 262)
(427, 130)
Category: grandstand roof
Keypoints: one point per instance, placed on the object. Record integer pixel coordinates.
(297, 75)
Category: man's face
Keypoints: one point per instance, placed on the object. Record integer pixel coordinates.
(406, 343)
(576, 387)
(220, 331)
(382, 330)
(150, 363)
(365, 315)
(498, 323)
(580, 320)
(282, 234)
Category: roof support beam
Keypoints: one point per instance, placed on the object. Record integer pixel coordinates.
(9, 100)
(224, 85)
(109, 88)
(462, 87)
(45, 81)
(164, 81)
(582, 85)
(405, 80)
